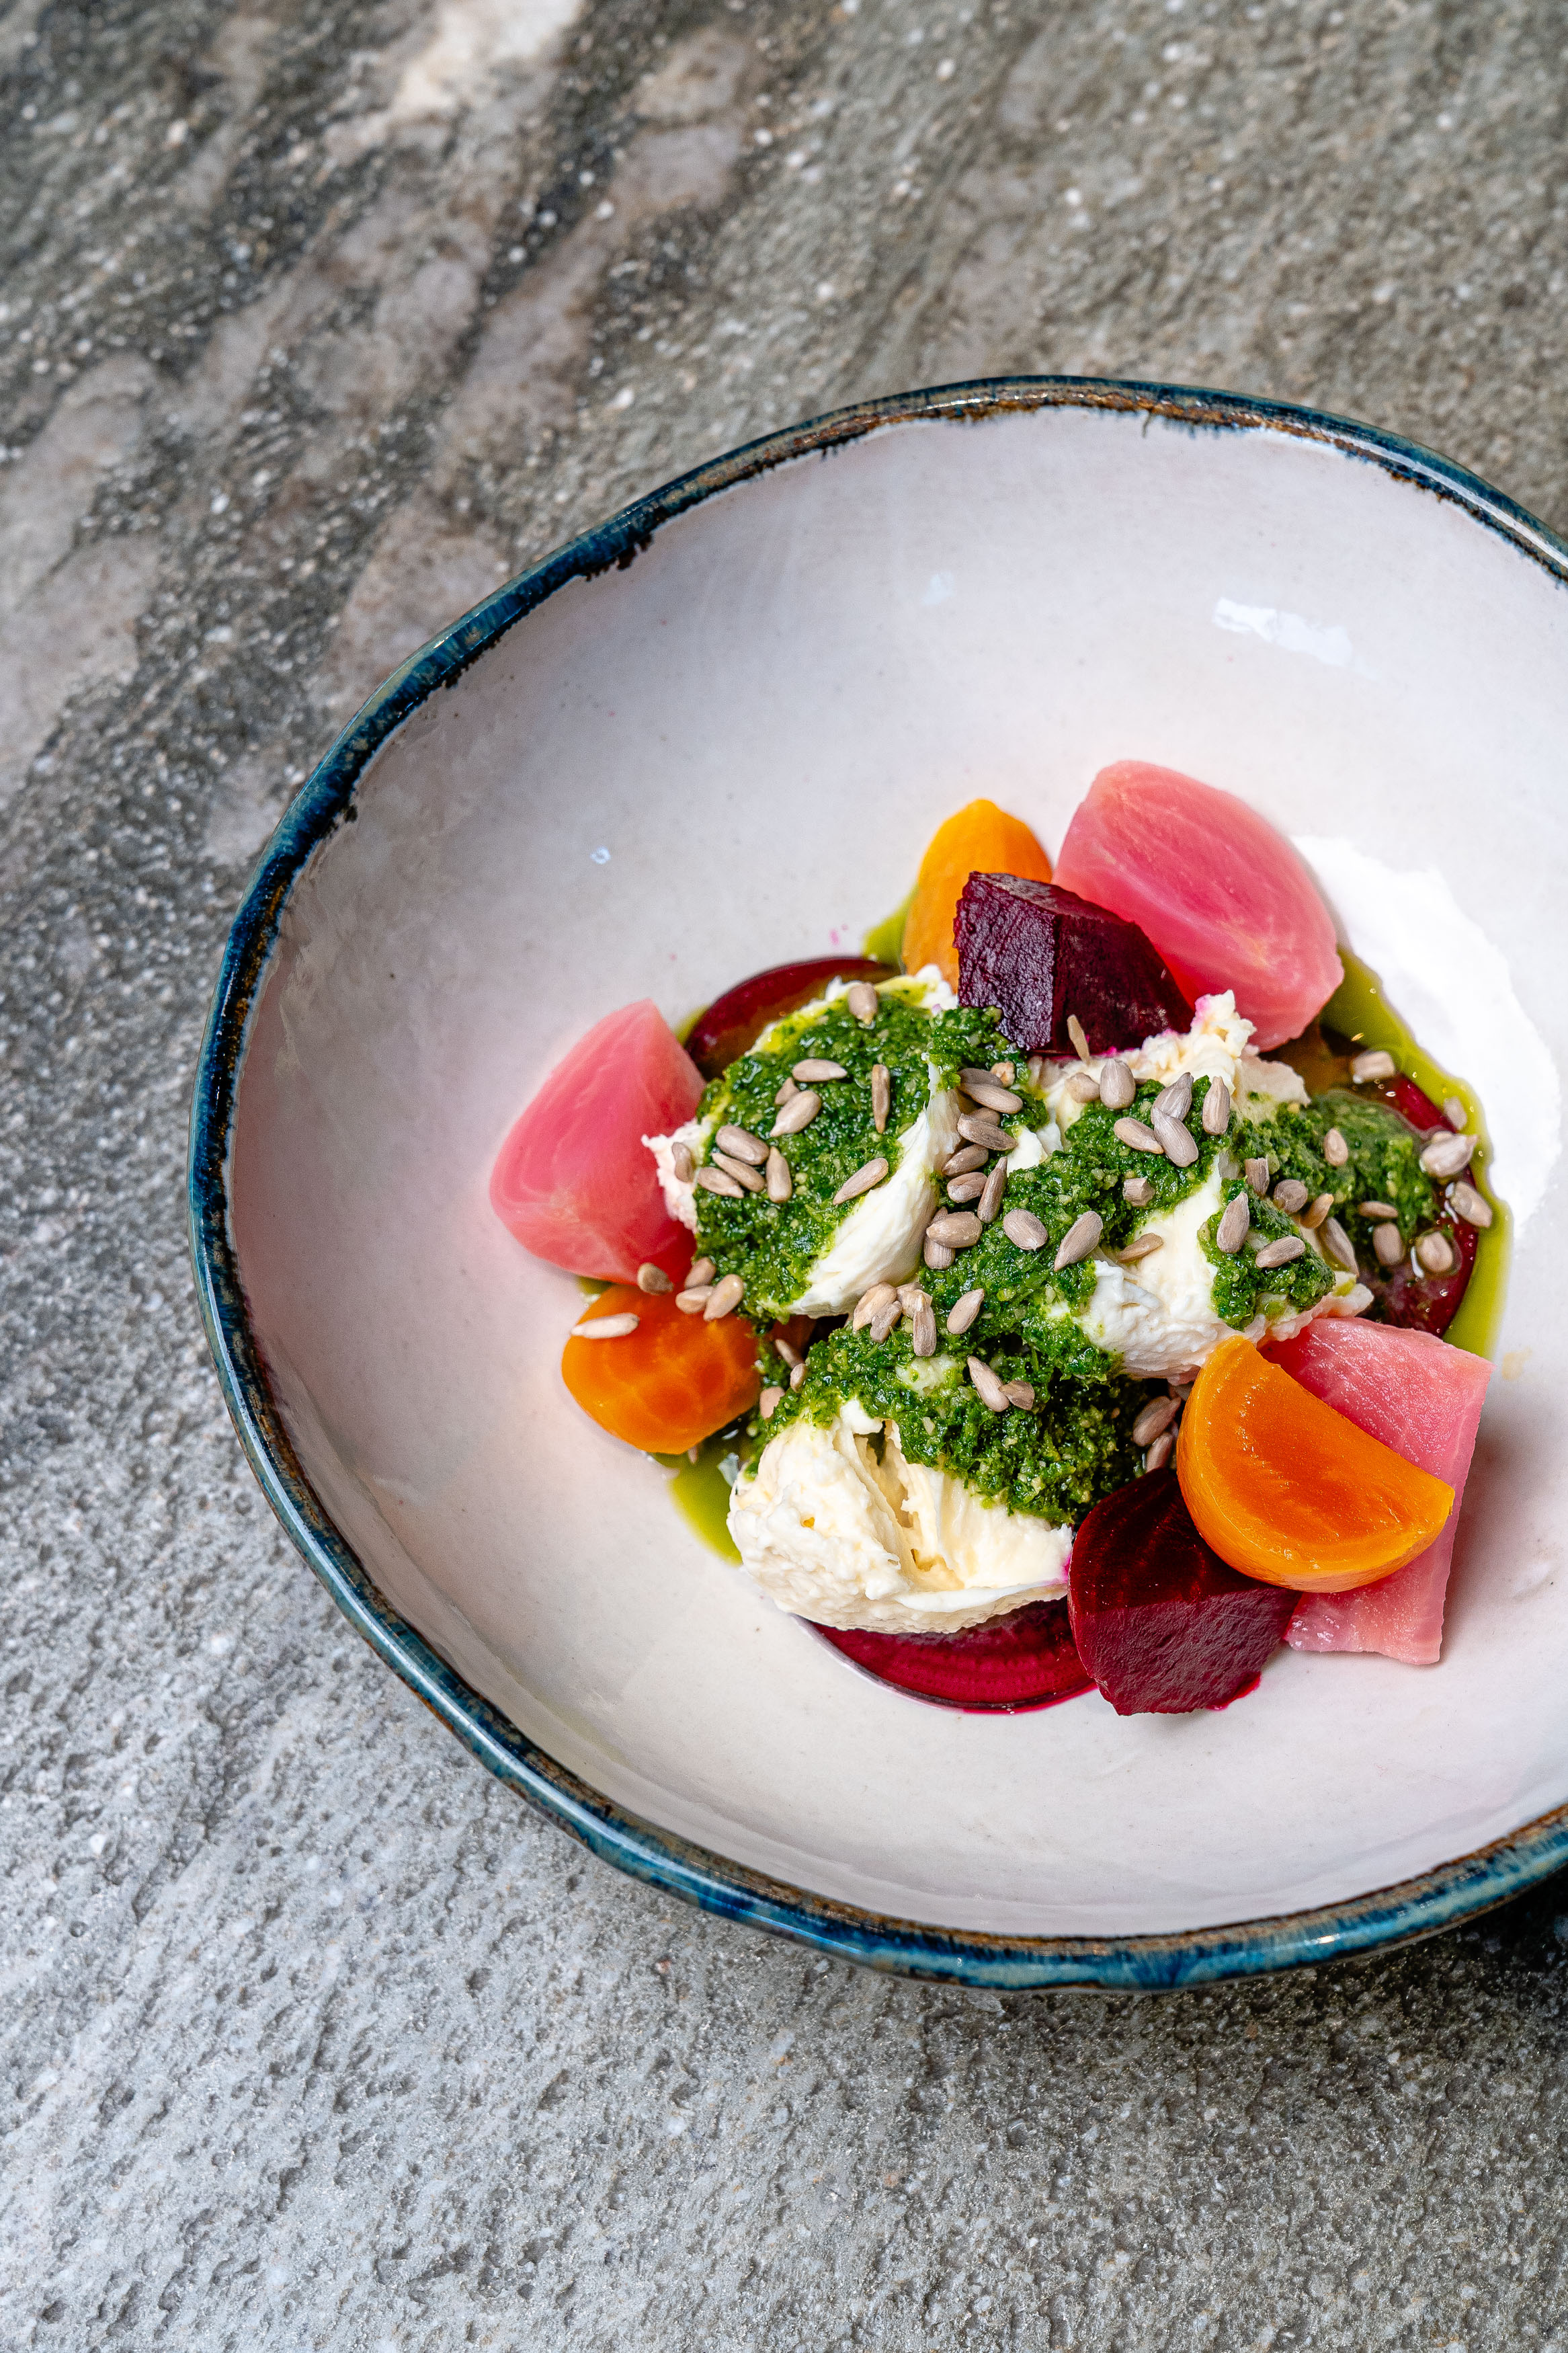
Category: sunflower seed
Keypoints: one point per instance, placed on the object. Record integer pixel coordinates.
(962, 1312)
(968, 1157)
(605, 1327)
(798, 1112)
(1336, 1151)
(1449, 1155)
(745, 1175)
(868, 1303)
(863, 1181)
(739, 1143)
(718, 1180)
(967, 1188)
(1036, 1067)
(937, 1255)
(1144, 1247)
(1081, 1237)
(1375, 1209)
(1177, 1098)
(881, 1097)
(989, 1202)
(1386, 1245)
(1374, 1064)
(1138, 1191)
(1337, 1245)
(1235, 1220)
(1456, 1110)
(796, 1378)
(785, 1092)
(975, 1128)
(1022, 1229)
(681, 1162)
(1079, 1041)
(1256, 1175)
(955, 1229)
(863, 1002)
(1117, 1085)
(1290, 1195)
(788, 1350)
(909, 1296)
(1082, 1086)
(1281, 1252)
(727, 1294)
(1021, 1394)
(991, 1389)
(768, 1403)
(884, 1320)
(653, 1279)
(814, 1068)
(1216, 1108)
(780, 1184)
(701, 1270)
(1137, 1137)
(922, 1328)
(1470, 1204)
(1320, 1209)
(694, 1299)
(987, 1089)
(1180, 1145)
(1435, 1254)
(1160, 1454)
(1156, 1416)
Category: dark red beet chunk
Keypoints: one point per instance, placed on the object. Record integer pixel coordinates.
(1025, 1660)
(1161, 1623)
(737, 1019)
(1038, 953)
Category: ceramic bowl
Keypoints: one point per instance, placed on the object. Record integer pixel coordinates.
(714, 736)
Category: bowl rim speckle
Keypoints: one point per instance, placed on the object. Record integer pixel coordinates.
(1420, 1906)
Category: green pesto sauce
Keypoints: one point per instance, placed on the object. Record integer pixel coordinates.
(1240, 1289)
(1025, 1297)
(1055, 1462)
(773, 1246)
(1383, 1164)
(1359, 1014)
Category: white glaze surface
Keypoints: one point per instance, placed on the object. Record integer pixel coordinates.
(775, 652)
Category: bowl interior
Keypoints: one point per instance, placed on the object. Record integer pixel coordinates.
(731, 754)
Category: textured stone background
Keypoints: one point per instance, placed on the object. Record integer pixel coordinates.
(313, 324)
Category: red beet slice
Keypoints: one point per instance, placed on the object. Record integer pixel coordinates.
(1024, 1661)
(1160, 1621)
(737, 1019)
(1038, 953)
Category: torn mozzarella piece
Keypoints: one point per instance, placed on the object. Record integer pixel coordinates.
(1214, 1047)
(831, 1534)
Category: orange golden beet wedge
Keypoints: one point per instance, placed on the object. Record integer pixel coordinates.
(672, 1381)
(1288, 1490)
(978, 839)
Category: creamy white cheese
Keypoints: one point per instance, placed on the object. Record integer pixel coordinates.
(831, 1534)
(879, 1238)
(1215, 1047)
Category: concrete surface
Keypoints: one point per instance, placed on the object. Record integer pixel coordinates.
(316, 321)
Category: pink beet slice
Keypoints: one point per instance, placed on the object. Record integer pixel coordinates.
(737, 1019)
(573, 1181)
(1224, 899)
(1038, 953)
(1011, 1664)
(1423, 1398)
(1160, 1621)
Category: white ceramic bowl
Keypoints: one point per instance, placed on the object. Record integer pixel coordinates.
(618, 778)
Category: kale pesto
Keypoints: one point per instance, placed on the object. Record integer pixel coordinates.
(774, 1246)
(1055, 1462)
(1025, 1295)
(1383, 1164)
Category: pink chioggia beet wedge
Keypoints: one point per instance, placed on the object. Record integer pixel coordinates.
(1224, 897)
(573, 1181)
(1039, 953)
(1424, 1398)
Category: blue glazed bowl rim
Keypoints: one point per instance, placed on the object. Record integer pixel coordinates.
(1416, 1907)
